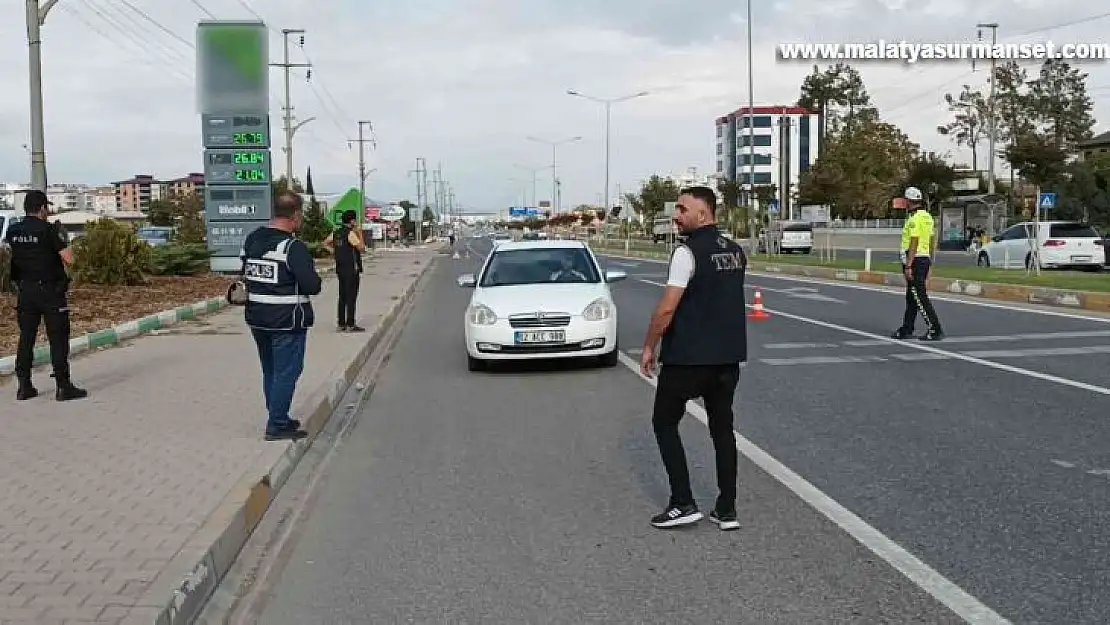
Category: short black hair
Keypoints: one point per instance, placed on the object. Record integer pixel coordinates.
(287, 204)
(349, 216)
(703, 193)
(34, 201)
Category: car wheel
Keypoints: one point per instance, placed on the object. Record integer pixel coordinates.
(474, 364)
(984, 260)
(612, 358)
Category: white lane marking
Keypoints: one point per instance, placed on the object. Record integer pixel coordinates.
(820, 360)
(798, 293)
(1046, 377)
(798, 345)
(625, 264)
(935, 297)
(919, 356)
(957, 599)
(1063, 463)
(1099, 471)
(1047, 351)
(999, 338)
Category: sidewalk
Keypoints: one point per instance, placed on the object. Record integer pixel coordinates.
(113, 503)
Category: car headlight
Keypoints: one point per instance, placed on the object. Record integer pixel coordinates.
(598, 310)
(480, 315)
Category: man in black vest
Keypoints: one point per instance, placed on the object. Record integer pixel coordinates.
(347, 247)
(39, 257)
(280, 275)
(701, 322)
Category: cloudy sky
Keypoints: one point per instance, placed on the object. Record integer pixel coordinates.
(464, 83)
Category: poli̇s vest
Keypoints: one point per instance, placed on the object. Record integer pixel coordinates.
(274, 300)
(35, 245)
(710, 324)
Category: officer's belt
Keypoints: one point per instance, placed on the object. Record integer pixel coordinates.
(259, 298)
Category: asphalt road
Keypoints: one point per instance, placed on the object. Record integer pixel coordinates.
(961, 259)
(987, 455)
(523, 496)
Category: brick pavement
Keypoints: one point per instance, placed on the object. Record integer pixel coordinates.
(99, 495)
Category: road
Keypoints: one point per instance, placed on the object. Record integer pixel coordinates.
(962, 259)
(523, 495)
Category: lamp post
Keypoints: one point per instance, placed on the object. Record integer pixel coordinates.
(608, 102)
(555, 199)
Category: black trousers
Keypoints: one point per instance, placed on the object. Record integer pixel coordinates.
(917, 298)
(716, 386)
(43, 302)
(348, 296)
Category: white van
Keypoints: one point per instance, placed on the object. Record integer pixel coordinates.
(791, 236)
(663, 229)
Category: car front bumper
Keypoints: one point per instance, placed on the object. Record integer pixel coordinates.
(583, 339)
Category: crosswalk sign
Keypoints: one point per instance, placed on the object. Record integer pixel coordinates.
(1047, 201)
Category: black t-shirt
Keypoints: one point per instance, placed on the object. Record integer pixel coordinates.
(35, 247)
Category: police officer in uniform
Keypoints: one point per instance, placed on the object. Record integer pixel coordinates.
(919, 244)
(40, 255)
(347, 247)
(701, 322)
(280, 275)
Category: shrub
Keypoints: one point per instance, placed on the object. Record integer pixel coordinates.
(5, 269)
(110, 253)
(317, 249)
(178, 259)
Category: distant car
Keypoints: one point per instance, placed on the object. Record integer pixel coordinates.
(1062, 245)
(156, 235)
(540, 300)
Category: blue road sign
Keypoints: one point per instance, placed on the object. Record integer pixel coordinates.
(773, 207)
(1047, 201)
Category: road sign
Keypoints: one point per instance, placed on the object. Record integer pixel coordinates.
(392, 213)
(237, 202)
(669, 208)
(1047, 201)
(773, 207)
(414, 214)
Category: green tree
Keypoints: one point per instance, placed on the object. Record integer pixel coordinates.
(315, 227)
(188, 218)
(829, 93)
(653, 197)
(1084, 192)
(970, 123)
(933, 175)
(160, 213)
(281, 183)
(1062, 106)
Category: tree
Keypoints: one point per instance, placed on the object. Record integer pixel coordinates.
(1084, 192)
(653, 197)
(188, 217)
(838, 85)
(315, 227)
(281, 183)
(927, 170)
(160, 213)
(1040, 162)
(971, 122)
(1059, 99)
(862, 170)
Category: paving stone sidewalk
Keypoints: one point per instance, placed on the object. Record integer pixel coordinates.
(99, 495)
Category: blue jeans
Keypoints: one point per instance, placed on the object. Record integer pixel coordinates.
(282, 357)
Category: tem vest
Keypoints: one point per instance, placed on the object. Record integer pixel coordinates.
(274, 301)
(710, 324)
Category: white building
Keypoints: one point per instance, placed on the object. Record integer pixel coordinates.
(786, 140)
(103, 200)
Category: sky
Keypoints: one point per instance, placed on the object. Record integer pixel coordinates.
(465, 83)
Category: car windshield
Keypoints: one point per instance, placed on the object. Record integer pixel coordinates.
(798, 228)
(540, 266)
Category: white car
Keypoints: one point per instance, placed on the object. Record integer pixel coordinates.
(539, 300)
(1063, 245)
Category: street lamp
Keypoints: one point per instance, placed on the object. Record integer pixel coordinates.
(36, 17)
(608, 102)
(533, 171)
(555, 199)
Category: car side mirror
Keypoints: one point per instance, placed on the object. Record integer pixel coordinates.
(467, 280)
(615, 276)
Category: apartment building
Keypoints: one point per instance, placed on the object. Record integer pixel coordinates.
(136, 194)
(104, 200)
(784, 139)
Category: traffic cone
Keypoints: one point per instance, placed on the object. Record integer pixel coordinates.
(757, 313)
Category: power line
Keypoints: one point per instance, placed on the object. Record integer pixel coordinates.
(202, 9)
(158, 25)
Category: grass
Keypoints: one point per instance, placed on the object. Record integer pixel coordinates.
(1068, 280)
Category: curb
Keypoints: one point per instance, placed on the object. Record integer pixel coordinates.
(1044, 296)
(131, 329)
(182, 590)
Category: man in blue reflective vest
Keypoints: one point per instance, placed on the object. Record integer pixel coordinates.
(280, 275)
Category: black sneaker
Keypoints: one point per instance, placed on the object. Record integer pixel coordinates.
(286, 435)
(69, 392)
(932, 336)
(341, 328)
(292, 424)
(725, 519)
(902, 335)
(677, 516)
(26, 391)
(356, 328)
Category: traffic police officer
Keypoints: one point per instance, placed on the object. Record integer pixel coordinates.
(701, 322)
(347, 246)
(280, 275)
(919, 243)
(40, 255)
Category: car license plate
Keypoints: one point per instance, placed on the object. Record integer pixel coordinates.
(1080, 259)
(541, 336)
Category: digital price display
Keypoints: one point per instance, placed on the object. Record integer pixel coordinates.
(249, 139)
(237, 167)
(236, 131)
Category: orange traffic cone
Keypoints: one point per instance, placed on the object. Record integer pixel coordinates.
(757, 313)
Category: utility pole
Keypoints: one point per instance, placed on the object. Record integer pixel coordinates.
(421, 195)
(361, 141)
(751, 138)
(990, 103)
(289, 127)
(556, 201)
(36, 17)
